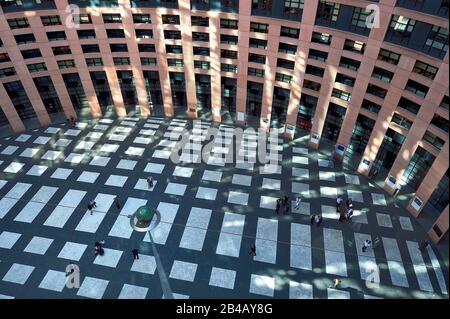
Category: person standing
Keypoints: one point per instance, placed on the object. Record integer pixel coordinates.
(90, 208)
(298, 201)
(150, 182)
(277, 208)
(253, 250)
(336, 283)
(338, 203)
(286, 204)
(135, 253)
(93, 203)
(313, 219)
(116, 202)
(366, 244)
(318, 220)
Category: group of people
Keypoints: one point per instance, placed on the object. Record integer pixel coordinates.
(71, 122)
(282, 205)
(345, 211)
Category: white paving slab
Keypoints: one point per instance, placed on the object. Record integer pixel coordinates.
(38, 245)
(88, 177)
(62, 173)
(213, 176)
(133, 292)
(183, 270)
(145, 264)
(378, 199)
(437, 270)
(126, 164)
(92, 288)
(37, 170)
(238, 198)
(231, 235)
(269, 183)
(90, 223)
(72, 251)
(14, 168)
(223, 278)
(300, 290)
(121, 227)
(262, 285)
(110, 258)
(8, 239)
(99, 161)
(239, 179)
(116, 180)
(300, 248)
(29, 152)
(266, 240)
(154, 168)
(54, 280)
(420, 268)
(206, 193)
(175, 189)
(18, 273)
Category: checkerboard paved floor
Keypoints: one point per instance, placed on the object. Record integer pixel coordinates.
(211, 214)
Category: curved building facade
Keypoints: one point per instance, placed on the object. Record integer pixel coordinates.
(377, 88)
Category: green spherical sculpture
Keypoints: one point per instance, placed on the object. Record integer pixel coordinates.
(144, 214)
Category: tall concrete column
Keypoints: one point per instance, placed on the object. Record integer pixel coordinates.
(10, 112)
(245, 11)
(216, 80)
(135, 59)
(440, 225)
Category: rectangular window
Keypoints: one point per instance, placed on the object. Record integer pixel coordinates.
(86, 34)
(370, 106)
(82, 18)
(314, 70)
(294, 7)
(201, 21)
(149, 61)
(50, 20)
(256, 72)
(228, 39)
(311, 85)
(259, 27)
(440, 122)
(18, 23)
(228, 54)
(389, 56)
(408, 105)
(32, 53)
(354, 46)
(175, 62)
(425, 69)
(287, 48)
(256, 58)
(4, 57)
(327, 12)
(94, 62)
(346, 80)
(382, 74)
(170, 19)
(401, 121)
(56, 36)
(228, 68)
(437, 39)
(121, 61)
(90, 48)
(287, 64)
(280, 77)
(201, 51)
(172, 34)
(37, 67)
(142, 18)
(445, 103)
(176, 49)
(359, 18)
(402, 25)
(341, 95)
(229, 24)
(119, 47)
(257, 43)
(317, 55)
(322, 38)
(25, 38)
(146, 47)
(349, 64)
(432, 139)
(66, 64)
(203, 65)
(144, 34)
(289, 32)
(115, 33)
(416, 88)
(376, 90)
(112, 18)
(7, 72)
(200, 36)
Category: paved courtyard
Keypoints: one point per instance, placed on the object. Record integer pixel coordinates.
(211, 214)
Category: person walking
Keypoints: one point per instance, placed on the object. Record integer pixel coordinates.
(341, 213)
(318, 220)
(116, 202)
(135, 253)
(102, 243)
(298, 201)
(150, 182)
(253, 250)
(338, 203)
(90, 208)
(366, 244)
(277, 208)
(93, 203)
(286, 204)
(313, 219)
